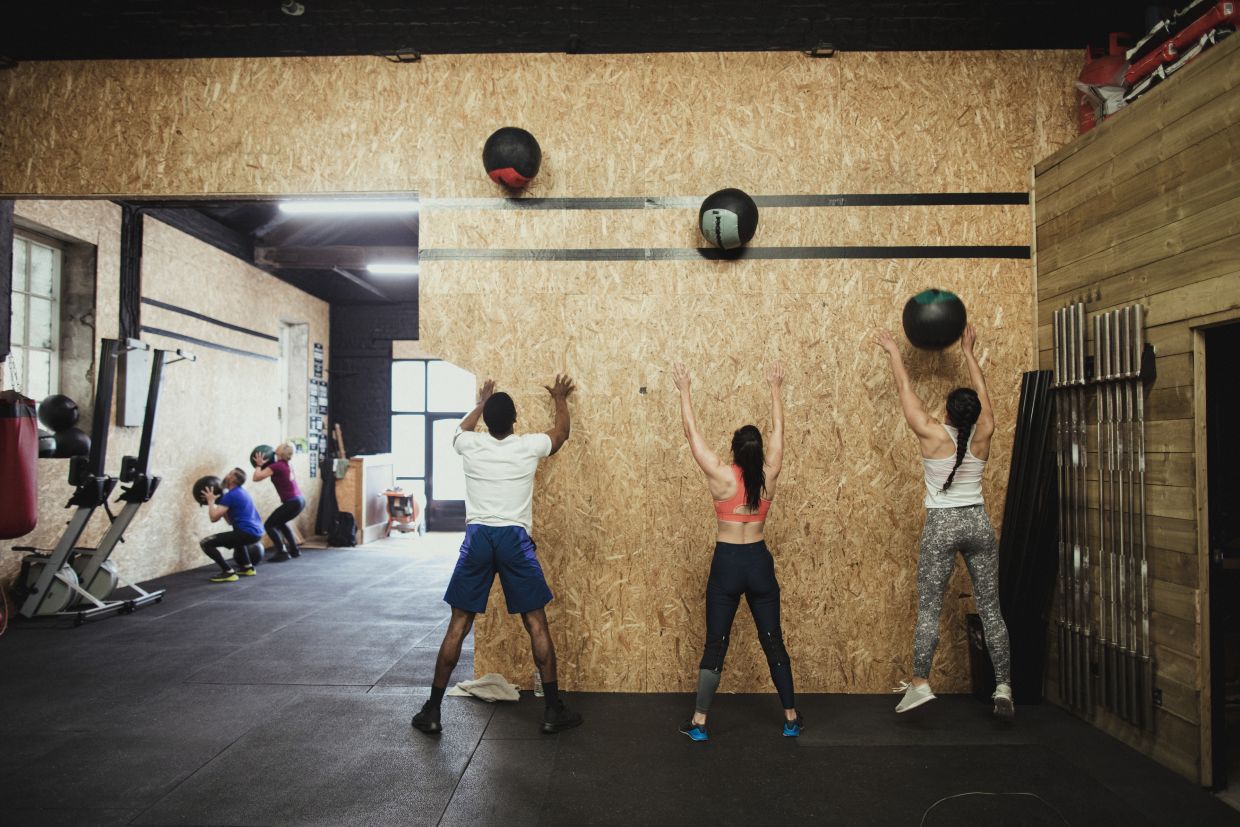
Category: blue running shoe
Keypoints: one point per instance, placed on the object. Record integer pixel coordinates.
(793, 728)
(696, 732)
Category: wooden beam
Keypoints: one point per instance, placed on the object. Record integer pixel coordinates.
(206, 229)
(331, 257)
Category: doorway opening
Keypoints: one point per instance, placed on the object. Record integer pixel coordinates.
(1222, 511)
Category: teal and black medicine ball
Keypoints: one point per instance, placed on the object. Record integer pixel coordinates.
(934, 319)
(728, 218)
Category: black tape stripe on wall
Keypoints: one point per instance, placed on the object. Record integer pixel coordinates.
(195, 315)
(204, 343)
(895, 199)
(713, 254)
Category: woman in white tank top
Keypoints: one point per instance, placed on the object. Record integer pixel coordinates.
(954, 455)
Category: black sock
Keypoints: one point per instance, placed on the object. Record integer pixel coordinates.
(551, 690)
(436, 696)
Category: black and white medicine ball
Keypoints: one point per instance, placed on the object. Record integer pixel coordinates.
(728, 218)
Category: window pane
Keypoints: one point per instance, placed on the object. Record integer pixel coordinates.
(19, 263)
(39, 381)
(42, 266)
(451, 388)
(18, 315)
(449, 473)
(408, 386)
(40, 323)
(409, 445)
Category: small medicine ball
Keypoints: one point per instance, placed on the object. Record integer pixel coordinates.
(266, 451)
(255, 551)
(933, 319)
(511, 157)
(71, 442)
(728, 218)
(202, 484)
(58, 412)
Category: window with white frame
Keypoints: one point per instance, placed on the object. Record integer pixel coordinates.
(33, 364)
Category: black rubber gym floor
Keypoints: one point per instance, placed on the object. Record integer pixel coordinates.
(285, 699)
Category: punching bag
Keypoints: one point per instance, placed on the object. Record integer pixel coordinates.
(19, 448)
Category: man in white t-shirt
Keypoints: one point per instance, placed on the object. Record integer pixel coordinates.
(499, 489)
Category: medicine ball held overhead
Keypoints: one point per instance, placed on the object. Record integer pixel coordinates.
(202, 484)
(933, 319)
(728, 218)
(511, 157)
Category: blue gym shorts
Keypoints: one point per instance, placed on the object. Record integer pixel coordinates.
(507, 550)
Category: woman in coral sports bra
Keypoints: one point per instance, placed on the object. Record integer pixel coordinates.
(742, 565)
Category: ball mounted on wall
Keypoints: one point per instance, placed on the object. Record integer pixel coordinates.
(728, 218)
(934, 319)
(512, 157)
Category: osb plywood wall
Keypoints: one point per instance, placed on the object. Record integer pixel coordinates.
(1122, 219)
(623, 521)
(211, 411)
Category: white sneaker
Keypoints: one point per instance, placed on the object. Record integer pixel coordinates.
(914, 696)
(1004, 708)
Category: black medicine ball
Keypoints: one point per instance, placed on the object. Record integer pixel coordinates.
(511, 157)
(202, 484)
(728, 218)
(58, 412)
(934, 319)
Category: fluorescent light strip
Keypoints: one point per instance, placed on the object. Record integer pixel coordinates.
(346, 206)
(392, 269)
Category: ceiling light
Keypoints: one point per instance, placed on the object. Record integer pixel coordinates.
(393, 269)
(345, 206)
(292, 8)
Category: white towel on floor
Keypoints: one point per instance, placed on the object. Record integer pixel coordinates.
(491, 687)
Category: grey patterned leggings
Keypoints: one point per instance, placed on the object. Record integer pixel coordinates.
(966, 529)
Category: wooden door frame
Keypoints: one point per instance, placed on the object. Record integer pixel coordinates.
(1205, 711)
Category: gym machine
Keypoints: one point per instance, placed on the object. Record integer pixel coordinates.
(81, 582)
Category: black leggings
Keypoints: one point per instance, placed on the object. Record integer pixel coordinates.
(277, 525)
(239, 542)
(746, 569)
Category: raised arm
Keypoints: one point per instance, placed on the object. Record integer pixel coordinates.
(775, 446)
(262, 469)
(471, 419)
(559, 396)
(718, 475)
(986, 420)
(921, 423)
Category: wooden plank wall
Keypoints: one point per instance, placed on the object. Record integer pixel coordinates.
(1146, 208)
(623, 521)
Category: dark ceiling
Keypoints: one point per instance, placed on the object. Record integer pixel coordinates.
(234, 28)
(324, 255)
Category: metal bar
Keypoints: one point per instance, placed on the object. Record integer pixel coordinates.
(1070, 461)
(1102, 537)
(1062, 577)
(1112, 494)
(1078, 392)
(1147, 664)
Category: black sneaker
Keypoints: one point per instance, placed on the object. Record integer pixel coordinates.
(279, 558)
(294, 553)
(559, 718)
(428, 720)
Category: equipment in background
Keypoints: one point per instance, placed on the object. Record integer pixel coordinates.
(81, 582)
(47, 445)
(69, 443)
(19, 483)
(1027, 561)
(728, 218)
(209, 482)
(343, 532)
(265, 451)
(512, 157)
(403, 512)
(59, 413)
(934, 319)
(1075, 628)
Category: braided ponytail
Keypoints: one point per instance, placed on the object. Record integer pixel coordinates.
(963, 409)
(747, 453)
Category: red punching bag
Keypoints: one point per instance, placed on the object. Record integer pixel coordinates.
(19, 448)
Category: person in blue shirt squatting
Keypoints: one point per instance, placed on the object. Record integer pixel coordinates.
(237, 509)
(499, 487)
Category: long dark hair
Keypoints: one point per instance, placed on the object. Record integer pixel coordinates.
(963, 409)
(747, 453)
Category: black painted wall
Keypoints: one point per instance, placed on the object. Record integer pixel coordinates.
(360, 376)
